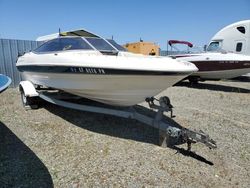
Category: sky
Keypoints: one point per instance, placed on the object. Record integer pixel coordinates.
(126, 20)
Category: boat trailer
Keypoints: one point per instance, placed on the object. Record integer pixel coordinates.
(169, 135)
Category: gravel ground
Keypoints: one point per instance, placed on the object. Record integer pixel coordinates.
(58, 147)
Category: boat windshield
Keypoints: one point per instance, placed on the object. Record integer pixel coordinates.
(62, 44)
(100, 44)
(118, 47)
(214, 47)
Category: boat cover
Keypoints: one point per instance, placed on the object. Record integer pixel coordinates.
(170, 42)
(79, 32)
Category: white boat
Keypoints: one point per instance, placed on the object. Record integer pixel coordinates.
(87, 65)
(214, 65)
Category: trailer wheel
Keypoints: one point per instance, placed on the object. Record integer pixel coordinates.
(193, 80)
(28, 102)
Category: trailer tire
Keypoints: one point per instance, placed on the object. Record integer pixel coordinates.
(28, 102)
(193, 80)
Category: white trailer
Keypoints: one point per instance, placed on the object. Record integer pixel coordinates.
(232, 38)
(169, 135)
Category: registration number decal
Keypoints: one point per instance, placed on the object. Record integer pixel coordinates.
(87, 70)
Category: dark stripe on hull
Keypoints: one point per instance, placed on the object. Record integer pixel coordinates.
(221, 65)
(92, 70)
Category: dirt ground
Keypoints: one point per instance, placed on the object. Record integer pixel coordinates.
(58, 147)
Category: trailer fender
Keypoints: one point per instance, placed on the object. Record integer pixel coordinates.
(28, 89)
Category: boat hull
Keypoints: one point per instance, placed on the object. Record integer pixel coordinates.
(5, 81)
(221, 74)
(118, 90)
(218, 65)
(124, 79)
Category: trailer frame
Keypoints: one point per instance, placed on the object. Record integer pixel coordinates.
(169, 135)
